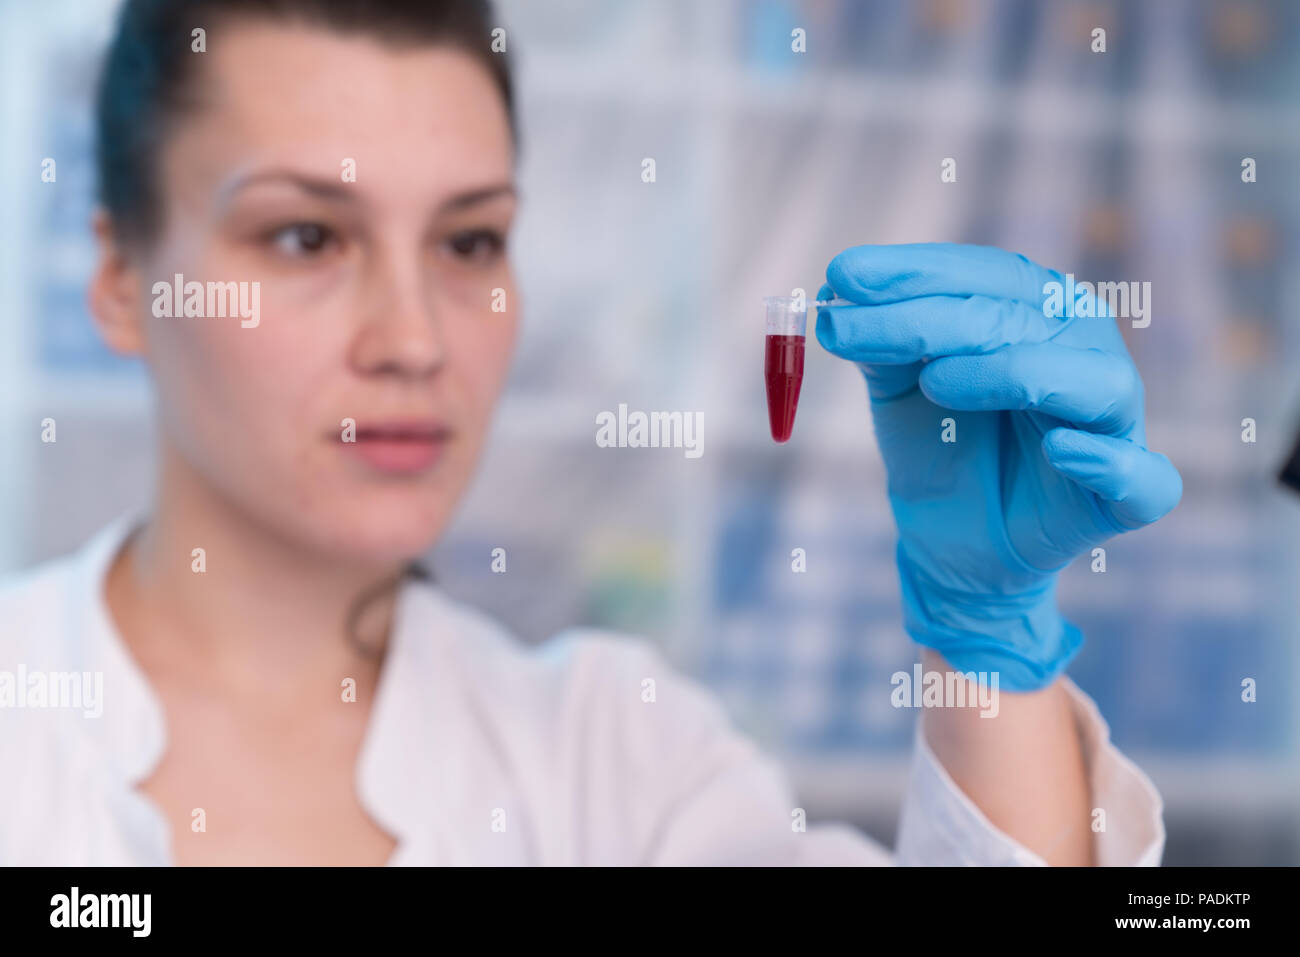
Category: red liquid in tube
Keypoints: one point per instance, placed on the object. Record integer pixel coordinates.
(783, 369)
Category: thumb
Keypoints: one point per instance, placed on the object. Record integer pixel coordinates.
(1137, 485)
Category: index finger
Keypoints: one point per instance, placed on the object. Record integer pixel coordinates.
(877, 274)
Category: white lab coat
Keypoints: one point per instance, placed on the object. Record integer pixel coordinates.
(470, 730)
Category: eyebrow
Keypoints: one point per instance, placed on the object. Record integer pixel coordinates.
(329, 189)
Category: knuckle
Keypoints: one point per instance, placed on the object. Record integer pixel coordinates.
(991, 321)
(1018, 369)
(1124, 470)
(843, 269)
(1125, 382)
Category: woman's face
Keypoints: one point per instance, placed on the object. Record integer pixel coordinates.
(386, 301)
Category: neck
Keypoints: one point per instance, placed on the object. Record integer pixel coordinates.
(264, 611)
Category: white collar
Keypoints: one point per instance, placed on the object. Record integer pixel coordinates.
(397, 776)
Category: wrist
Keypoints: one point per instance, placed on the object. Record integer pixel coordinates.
(1021, 636)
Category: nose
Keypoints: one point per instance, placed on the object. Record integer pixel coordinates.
(400, 334)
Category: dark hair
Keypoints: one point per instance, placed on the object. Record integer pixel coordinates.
(415, 571)
(148, 74)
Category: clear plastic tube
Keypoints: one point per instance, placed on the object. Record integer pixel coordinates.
(785, 321)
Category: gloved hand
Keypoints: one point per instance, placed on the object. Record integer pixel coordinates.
(1049, 459)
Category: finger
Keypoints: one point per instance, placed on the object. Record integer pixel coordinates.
(1085, 387)
(1137, 485)
(873, 275)
(921, 329)
(884, 382)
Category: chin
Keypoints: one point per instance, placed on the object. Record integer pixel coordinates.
(369, 525)
(356, 516)
(392, 531)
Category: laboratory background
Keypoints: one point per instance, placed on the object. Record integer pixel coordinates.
(1121, 165)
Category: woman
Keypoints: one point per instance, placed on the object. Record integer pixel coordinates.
(278, 689)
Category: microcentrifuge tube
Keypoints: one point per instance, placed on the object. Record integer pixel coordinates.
(786, 318)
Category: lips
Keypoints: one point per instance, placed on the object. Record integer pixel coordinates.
(399, 447)
(401, 432)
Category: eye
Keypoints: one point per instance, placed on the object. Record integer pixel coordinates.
(303, 240)
(477, 245)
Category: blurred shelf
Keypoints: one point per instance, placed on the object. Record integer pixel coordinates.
(1213, 782)
(1060, 112)
(845, 787)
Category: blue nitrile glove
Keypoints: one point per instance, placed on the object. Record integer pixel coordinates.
(1049, 458)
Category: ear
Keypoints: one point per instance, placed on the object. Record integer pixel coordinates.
(114, 295)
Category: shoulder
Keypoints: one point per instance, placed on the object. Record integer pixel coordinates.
(585, 669)
(49, 608)
(45, 746)
(42, 580)
(33, 604)
(591, 691)
(602, 721)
